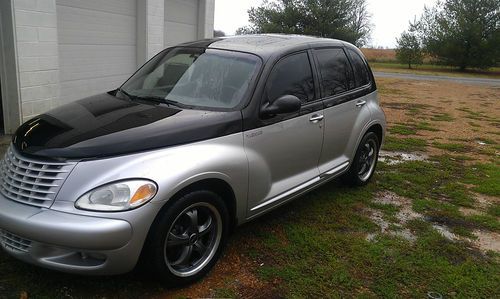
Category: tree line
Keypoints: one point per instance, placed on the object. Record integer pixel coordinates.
(461, 33)
(348, 20)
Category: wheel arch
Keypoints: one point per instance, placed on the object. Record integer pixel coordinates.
(375, 127)
(216, 185)
(378, 130)
(219, 187)
(211, 182)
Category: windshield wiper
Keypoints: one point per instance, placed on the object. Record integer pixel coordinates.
(155, 99)
(158, 100)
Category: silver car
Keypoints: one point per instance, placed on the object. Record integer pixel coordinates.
(204, 137)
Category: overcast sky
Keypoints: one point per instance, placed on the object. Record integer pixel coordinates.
(390, 17)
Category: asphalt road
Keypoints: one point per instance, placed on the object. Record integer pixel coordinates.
(464, 80)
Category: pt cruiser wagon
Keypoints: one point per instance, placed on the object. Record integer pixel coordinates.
(204, 137)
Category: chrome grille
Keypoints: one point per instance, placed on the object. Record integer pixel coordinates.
(13, 242)
(33, 182)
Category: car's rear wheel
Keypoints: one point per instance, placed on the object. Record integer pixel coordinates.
(365, 161)
(188, 238)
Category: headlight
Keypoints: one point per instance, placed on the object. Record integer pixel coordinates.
(119, 196)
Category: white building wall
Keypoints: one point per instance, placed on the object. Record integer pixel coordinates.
(150, 29)
(156, 28)
(206, 15)
(36, 33)
(9, 71)
(71, 49)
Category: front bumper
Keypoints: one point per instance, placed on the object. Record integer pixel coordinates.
(68, 242)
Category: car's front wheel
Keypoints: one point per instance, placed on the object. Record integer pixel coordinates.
(188, 238)
(365, 161)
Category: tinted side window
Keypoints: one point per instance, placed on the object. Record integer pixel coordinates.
(336, 72)
(291, 76)
(360, 71)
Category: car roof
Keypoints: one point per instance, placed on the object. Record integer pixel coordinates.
(266, 45)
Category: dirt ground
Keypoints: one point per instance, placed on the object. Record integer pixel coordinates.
(234, 271)
(463, 120)
(460, 114)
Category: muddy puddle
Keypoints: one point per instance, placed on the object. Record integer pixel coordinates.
(484, 240)
(393, 158)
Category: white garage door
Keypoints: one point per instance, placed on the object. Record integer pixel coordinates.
(181, 21)
(97, 45)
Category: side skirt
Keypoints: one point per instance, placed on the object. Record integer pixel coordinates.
(295, 192)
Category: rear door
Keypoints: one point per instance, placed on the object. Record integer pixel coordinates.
(342, 89)
(283, 154)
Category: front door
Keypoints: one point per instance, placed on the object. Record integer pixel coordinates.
(283, 155)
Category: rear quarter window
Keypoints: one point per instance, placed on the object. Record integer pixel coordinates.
(361, 74)
(335, 71)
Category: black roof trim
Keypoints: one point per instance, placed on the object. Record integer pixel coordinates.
(203, 43)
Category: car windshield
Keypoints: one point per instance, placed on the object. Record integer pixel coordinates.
(194, 77)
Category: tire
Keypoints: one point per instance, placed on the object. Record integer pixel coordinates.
(197, 226)
(364, 162)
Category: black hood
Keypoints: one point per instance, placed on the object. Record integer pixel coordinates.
(105, 125)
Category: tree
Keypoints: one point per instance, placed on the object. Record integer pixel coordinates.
(219, 33)
(409, 50)
(348, 20)
(463, 33)
(361, 22)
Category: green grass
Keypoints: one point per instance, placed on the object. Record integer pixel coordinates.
(416, 107)
(346, 265)
(404, 144)
(494, 210)
(485, 222)
(408, 129)
(225, 293)
(438, 188)
(425, 126)
(473, 114)
(322, 260)
(442, 117)
(402, 130)
(485, 177)
(452, 147)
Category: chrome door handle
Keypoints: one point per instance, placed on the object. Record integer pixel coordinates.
(360, 103)
(316, 118)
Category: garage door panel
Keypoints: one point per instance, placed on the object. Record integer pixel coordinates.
(97, 45)
(122, 7)
(94, 38)
(78, 89)
(179, 33)
(79, 26)
(181, 21)
(182, 11)
(79, 62)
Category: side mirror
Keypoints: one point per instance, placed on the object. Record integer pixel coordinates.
(282, 105)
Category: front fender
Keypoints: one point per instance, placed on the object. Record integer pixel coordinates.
(171, 168)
